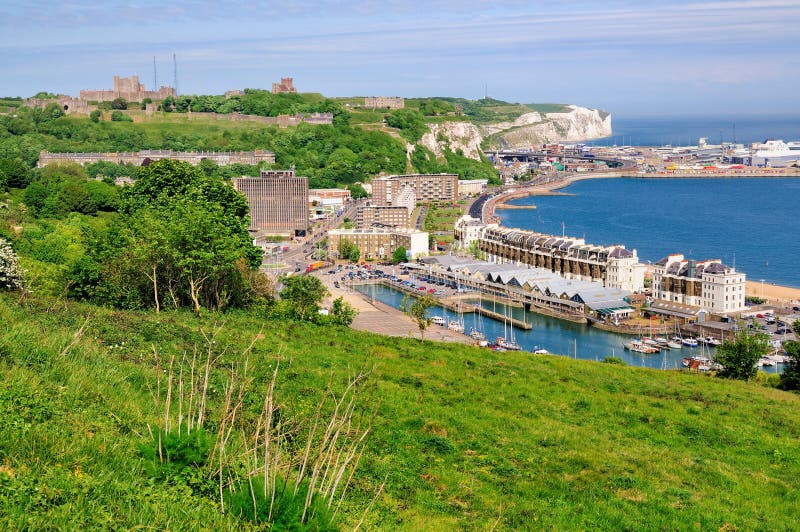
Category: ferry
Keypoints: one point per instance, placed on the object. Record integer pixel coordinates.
(776, 153)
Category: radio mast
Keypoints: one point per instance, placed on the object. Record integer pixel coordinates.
(175, 73)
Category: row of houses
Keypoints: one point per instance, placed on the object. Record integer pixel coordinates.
(571, 258)
(707, 284)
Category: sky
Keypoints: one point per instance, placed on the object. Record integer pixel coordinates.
(631, 58)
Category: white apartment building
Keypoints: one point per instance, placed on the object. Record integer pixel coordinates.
(707, 284)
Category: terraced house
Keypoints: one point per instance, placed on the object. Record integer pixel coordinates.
(572, 258)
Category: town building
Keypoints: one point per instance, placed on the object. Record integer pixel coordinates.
(472, 187)
(533, 287)
(128, 88)
(427, 188)
(138, 158)
(285, 85)
(707, 284)
(384, 102)
(571, 258)
(380, 242)
(278, 202)
(388, 215)
(334, 198)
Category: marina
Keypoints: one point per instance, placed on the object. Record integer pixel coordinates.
(550, 334)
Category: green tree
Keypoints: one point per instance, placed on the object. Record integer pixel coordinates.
(399, 255)
(342, 313)
(411, 123)
(119, 103)
(738, 357)
(417, 309)
(357, 191)
(348, 250)
(14, 173)
(304, 293)
(95, 115)
(119, 116)
(475, 250)
(790, 378)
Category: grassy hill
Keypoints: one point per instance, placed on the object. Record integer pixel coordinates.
(463, 438)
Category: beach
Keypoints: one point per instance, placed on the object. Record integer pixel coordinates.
(772, 292)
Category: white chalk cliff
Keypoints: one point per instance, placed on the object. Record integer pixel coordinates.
(578, 123)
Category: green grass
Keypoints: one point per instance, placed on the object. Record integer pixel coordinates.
(441, 217)
(465, 438)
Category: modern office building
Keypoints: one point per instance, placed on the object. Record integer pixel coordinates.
(427, 188)
(278, 202)
(390, 215)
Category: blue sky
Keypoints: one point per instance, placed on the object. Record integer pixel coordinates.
(629, 57)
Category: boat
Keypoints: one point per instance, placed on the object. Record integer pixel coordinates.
(649, 341)
(640, 347)
(455, 325)
(660, 340)
(691, 342)
(438, 320)
(540, 351)
(674, 344)
(775, 153)
(475, 334)
(712, 341)
(508, 345)
(699, 363)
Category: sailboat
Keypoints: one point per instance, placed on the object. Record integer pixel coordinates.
(503, 342)
(476, 333)
(457, 325)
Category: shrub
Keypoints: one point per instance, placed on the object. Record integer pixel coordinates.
(11, 276)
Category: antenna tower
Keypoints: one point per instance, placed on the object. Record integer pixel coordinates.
(175, 73)
(155, 75)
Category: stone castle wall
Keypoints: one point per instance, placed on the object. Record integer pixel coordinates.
(137, 158)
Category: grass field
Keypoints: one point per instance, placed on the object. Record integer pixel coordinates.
(463, 437)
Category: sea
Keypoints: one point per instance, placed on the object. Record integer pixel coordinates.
(686, 131)
(749, 223)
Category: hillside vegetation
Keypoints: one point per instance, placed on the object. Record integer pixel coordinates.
(462, 437)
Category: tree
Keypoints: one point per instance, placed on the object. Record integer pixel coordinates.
(119, 103)
(357, 191)
(790, 378)
(95, 115)
(342, 313)
(399, 255)
(119, 116)
(11, 277)
(348, 250)
(739, 356)
(16, 173)
(475, 250)
(417, 310)
(304, 293)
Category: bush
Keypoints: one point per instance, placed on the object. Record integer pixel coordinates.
(119, 116)
(11, 277)
(287, 510)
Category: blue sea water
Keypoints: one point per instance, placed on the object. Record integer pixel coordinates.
(685, 131)
(751, 223)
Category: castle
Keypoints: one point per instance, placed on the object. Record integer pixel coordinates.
(128, 88)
